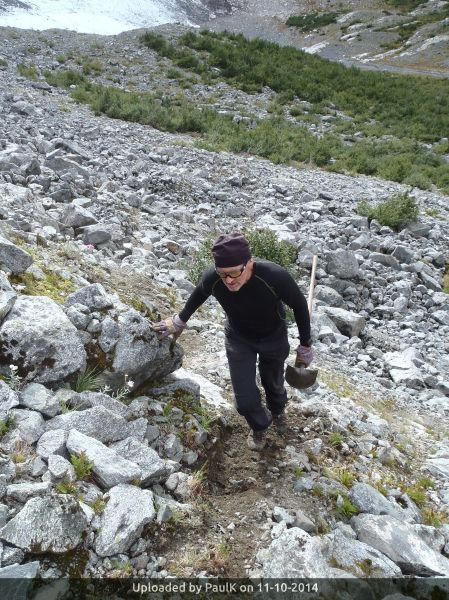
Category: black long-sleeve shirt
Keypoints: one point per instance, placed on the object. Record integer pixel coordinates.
(257, 309)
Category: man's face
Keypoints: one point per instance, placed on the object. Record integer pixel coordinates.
(235, 283)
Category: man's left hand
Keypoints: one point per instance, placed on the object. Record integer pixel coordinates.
(304, 355)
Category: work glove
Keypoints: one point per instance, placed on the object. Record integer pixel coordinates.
(171, 326)
(304, 355)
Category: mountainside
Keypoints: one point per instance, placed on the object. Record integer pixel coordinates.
(396, 35)
(107, 16)
(123, 456)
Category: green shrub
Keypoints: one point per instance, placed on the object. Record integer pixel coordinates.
(6, 425)
(263, 243)
(88, 381)
(92, 66)
(346, 508)
(67, 487)
(82, 465)
(28, 71)
(64, 78)
(98, 505)
(406, 5)
(446, 279)
(397, 212)
(3, 62)
(312, 21)
(174, 74)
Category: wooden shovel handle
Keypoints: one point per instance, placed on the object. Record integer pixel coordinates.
(312, 284)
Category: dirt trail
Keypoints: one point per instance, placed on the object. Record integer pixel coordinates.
(233, 505)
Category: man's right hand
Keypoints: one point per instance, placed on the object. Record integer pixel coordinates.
(171, 326)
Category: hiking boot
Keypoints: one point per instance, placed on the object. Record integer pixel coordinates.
(256, 440)
(280, 423)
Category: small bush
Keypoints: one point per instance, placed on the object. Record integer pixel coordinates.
(82, 465)
(397, 212)
(67, 487)
(3, 63)
(312, 21)
(88, 381)
(98, 505)
(346, 477)
(446, 279)
(92, 66)
(263, 243)
(28, 71)
(433, 517)
(64, 78)
(346, 508)
(335, 439)
(6, 425)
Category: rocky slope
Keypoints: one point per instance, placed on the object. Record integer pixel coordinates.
(403, 37)
(150, 476)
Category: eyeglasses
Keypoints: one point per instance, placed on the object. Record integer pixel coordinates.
(231, 274)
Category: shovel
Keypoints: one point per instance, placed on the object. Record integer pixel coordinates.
(299, 376)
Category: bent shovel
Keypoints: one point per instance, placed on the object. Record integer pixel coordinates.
(299, 376)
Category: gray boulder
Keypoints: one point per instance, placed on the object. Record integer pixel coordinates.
(8, 400)
(348, 323)
(5, 286)
(60, 468)
(109, 336)
(403, 254)
(97, 422)
(7, 468)
(37, 397)
(109, 468)
(52, 442)
(128, 510)
(77, 216)
(404, 367)
(29, 424)
(52, 524)
(344, 264)
(369, 500)
(93, 296)
(438, 464)
(13, 257)
(96, 234)
(24, 491)
(399, 541)
(37, 336)
(294, 554)
(17, 580)
(139, 354)
(387, 260)
(61, 165)
(93, 399)
(154, 468)
(328, 296)
(358, 558)
(7, 300)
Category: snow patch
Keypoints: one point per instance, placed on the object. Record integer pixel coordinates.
(316, 47)
(438, 39)
(106, 17)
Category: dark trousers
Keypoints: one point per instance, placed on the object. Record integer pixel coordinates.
(242, 356)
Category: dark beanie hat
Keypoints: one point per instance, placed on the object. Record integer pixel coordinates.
(230, 250)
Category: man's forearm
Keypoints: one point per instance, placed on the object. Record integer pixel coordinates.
(195, 300)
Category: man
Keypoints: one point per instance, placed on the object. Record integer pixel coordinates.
(252, 294)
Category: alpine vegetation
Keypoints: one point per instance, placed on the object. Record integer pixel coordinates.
(121, 452)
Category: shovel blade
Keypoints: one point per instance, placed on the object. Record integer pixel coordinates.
(300, 377)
